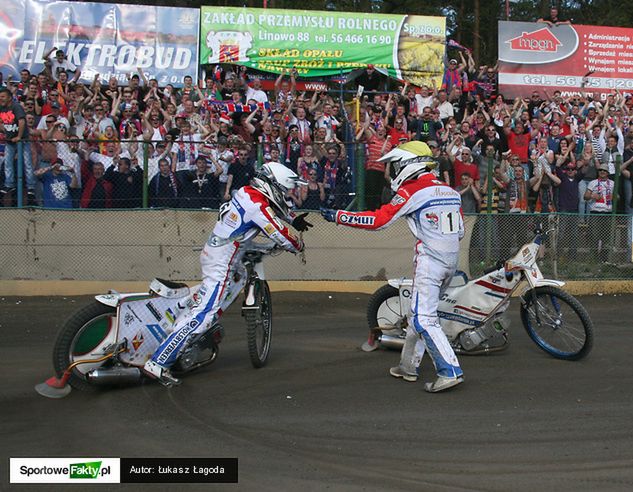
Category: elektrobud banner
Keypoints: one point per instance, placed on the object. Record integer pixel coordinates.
(569, 58)
(109, 39)
(408, 47)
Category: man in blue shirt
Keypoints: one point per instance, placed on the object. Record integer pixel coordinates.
(56, 183)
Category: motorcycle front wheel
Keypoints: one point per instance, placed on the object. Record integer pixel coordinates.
(557, 322)
(259, 325)
(82, 334)
(383, 309)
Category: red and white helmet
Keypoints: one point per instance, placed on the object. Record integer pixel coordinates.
(274, 180)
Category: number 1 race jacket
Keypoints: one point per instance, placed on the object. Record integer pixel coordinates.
(433, 212)
(247, 214)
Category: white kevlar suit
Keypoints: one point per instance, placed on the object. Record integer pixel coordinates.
(247, 214)
(433, 213)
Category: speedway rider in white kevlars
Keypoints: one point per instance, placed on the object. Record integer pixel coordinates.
(433, 213)
(252, 209)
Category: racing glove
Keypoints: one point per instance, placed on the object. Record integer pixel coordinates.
(329, 214)
(300, 223)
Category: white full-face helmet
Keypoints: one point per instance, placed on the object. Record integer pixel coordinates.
(409, 160)
(274, 180)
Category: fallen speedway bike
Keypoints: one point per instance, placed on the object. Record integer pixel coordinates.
(473, 313)
(107, 342)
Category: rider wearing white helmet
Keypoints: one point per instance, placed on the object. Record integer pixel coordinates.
(433, 213)
(252, 209)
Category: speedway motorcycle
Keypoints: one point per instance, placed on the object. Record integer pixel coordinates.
(473, 313)
(107, 342)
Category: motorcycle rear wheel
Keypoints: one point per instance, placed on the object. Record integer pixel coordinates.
(383, 309)
(85, 330)
(259, 325)
(565, 330)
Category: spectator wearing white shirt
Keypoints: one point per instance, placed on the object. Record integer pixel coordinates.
(444, 107)
(58, 63)
(327, 121)
(424, 99)
(55, 112)
(255, 92)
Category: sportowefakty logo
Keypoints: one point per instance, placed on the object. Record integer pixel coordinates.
(85, 470)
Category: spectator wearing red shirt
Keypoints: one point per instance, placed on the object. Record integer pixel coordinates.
(397, 133)
(378, 144)
(97, 192)
(464, 164)
(60, 108)
(518, 140)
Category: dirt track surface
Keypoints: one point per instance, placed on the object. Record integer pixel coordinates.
(324, 415)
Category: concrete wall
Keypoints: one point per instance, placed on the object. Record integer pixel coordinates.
(140, 245)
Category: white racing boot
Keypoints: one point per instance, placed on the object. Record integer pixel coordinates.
(160, 373)
(442, 383)
(399, 372)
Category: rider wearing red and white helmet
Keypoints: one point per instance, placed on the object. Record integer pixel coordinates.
(433, 212)
(252, 209)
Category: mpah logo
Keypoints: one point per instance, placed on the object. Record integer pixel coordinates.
(541, 40)
(532, 43)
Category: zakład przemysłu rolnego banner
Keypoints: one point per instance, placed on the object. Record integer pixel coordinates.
(321, 44)
(109, 39)
(595, 59)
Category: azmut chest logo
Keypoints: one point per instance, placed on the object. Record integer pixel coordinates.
(541, 40)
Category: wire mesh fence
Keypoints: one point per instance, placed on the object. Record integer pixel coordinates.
(189, 171)
(39, 244)
(185, 172)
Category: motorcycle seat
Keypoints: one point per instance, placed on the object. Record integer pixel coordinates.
(168, 289)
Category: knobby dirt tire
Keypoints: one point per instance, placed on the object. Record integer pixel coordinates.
(70, 335)
(565, 340)
(259, 326)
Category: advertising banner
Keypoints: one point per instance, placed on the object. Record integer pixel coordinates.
(595, 59)
(318, 44)
(109, 39)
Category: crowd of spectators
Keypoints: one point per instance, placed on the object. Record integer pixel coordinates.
(84, 145)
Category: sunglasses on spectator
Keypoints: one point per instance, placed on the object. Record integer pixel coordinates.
(51, 121)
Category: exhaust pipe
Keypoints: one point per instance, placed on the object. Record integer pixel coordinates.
(114, 376)
(390, 342)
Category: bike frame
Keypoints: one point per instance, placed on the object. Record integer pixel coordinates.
(150, 329)
(519, 274)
